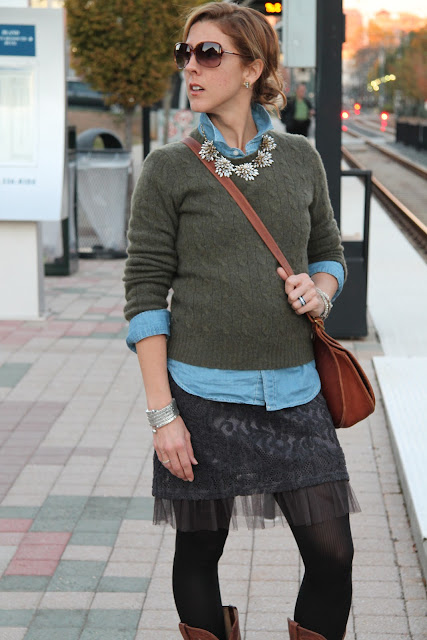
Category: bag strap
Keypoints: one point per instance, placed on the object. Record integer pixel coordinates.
(245, 206)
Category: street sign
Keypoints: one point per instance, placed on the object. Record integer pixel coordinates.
(17, 40)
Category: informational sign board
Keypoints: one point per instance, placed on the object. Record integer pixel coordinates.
(32, 114)
(17, 40)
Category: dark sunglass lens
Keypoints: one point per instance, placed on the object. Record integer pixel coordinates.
(208, 54)
(182, 55)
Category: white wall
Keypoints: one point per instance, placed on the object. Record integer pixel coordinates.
(21, 281)
(15, 4)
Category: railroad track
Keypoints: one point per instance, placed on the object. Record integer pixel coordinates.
(409, 184)
(405, 162)
(367, 128)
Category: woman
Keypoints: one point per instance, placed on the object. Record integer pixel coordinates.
(239, 423)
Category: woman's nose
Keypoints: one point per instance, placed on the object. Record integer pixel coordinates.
(192, 65)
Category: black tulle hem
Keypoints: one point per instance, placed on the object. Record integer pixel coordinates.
(305, 506)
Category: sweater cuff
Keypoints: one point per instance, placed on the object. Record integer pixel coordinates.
(146, 324)
(333, 268)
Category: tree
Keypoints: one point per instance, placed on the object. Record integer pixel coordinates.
(408, 63)
(124, 48)
(411, 68)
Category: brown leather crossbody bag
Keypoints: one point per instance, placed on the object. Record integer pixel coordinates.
(345, 386)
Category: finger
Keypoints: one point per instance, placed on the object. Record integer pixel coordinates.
(305, 288)
(158, 452)
(310, 306)
(282, 273)
(161, 455)
(176, 466)
(307, 298)
(186, 466)
(300, 280)
(290, 284)
(190, 449)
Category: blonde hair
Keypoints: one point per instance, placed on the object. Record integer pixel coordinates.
(254, 38)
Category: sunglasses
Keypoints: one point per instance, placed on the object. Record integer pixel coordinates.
(208, 54)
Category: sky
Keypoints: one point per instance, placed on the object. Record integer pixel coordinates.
(369, 7)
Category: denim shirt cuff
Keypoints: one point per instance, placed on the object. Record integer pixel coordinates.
(146, 324)
(333, 268)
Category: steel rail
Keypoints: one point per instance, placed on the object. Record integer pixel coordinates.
(405, 162)
(409, 222)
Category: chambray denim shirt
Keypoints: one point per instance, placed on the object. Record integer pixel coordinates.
(274, 388)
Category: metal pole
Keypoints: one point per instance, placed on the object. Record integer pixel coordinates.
(330, 36)
(145, 132)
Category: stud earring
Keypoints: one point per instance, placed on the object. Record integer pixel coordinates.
(247, 85)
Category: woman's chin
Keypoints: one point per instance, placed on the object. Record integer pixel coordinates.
(196, 106)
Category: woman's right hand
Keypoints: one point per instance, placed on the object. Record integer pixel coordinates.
(173, 444)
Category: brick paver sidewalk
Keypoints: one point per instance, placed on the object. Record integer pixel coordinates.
(79, 557)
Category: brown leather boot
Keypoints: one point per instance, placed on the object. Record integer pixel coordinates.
(296, 632)
(231, 619)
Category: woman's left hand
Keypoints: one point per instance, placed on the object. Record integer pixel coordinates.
(301, 289)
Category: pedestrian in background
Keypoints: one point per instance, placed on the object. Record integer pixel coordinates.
(297, 114)
(239, 423)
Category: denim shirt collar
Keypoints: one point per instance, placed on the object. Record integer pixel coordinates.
(263, 124)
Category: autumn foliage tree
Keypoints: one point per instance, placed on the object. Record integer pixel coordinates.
(124, 48)
(411, 68)
(408, 63)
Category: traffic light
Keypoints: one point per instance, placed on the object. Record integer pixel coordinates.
(273, 7)
(267, 8)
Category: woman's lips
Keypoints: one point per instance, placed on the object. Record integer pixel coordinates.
(195, 89)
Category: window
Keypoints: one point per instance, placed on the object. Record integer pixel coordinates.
(17, 116)
(46, 4)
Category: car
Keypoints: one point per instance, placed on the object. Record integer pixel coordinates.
(80, 94)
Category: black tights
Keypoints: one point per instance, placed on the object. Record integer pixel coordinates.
(195, 579)
(324, 598)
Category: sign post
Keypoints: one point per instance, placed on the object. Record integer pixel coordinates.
(33, 176)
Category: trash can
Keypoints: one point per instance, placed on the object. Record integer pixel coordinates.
(104, 171)
(60, 236)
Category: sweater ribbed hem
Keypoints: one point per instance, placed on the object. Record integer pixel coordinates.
(227, 354)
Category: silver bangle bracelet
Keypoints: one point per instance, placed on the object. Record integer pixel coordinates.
(158, 418)
(327, 302)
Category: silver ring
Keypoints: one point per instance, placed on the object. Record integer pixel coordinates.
(165, 461)
(303, 302)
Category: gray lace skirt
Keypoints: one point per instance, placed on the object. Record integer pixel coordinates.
(267, 466)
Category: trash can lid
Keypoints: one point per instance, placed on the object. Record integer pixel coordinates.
(86, 139)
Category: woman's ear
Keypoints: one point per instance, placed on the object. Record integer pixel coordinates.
(253, 71)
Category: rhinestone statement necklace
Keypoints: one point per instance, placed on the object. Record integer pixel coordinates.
(248, 170)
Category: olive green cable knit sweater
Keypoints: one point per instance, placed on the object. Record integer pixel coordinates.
(229, 309)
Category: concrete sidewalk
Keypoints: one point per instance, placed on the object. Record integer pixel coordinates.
(79, 557)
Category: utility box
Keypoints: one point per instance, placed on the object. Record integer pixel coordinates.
(33, 155)
(348, 318)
